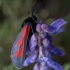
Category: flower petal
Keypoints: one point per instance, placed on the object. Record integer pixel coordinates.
(54, 27)
(46, 42)
(47, 54)
(56, 51)
(49, 37)
(33, 43)
(36, 67)
(59, 30)
(38, 27)
(30, 59)
(58, 23)
(43, 66)
(26, 62)
(48, 29)
(52, 64)
(27, 51)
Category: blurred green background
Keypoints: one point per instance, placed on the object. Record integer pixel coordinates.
(13, 13)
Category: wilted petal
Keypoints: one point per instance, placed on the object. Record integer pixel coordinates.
(33, 42)
(36, 67)
(56, 51)
(58, 23)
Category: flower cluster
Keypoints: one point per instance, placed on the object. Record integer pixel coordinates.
(41, 48)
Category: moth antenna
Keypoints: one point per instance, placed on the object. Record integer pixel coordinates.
(32, 11)
(31, 6)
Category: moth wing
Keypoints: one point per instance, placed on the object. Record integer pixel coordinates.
(19, 47)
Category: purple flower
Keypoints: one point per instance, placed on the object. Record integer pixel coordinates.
(41, 48)
(31, 58)
(54, 27)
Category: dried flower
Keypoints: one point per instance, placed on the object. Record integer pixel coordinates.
(41, 48)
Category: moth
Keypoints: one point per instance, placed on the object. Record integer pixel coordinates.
(18, 51)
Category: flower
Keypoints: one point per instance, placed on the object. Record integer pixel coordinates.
(41, 48)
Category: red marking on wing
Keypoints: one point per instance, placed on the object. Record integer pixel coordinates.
(25, 32)
(20, 52)
(21, 42)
